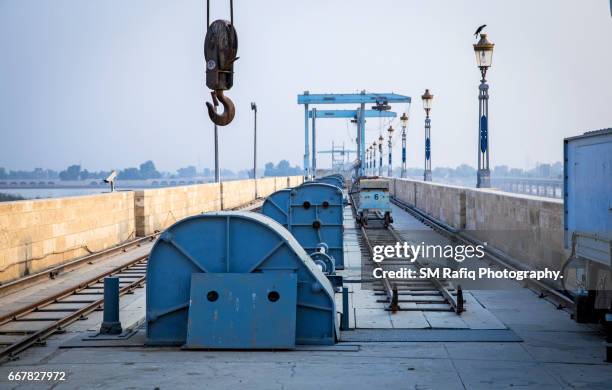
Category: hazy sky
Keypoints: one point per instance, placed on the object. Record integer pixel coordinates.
(112, 83)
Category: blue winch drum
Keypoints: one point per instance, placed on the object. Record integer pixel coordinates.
(235, 280)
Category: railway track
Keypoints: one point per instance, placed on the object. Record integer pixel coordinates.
(426, 294)
(52, 273)
(32, 324)
(497, 258)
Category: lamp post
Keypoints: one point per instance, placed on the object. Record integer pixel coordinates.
(427, 98)
(368, 160)
(484, 59)
(390, 130)
(404, 121)
(254, 108)
(217, 171)
(374, 158)
(380, 161)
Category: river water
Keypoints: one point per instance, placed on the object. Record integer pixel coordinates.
(43, 193)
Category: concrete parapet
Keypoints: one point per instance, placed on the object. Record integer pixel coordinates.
(156, 209)
(527, 228)
(39, 234)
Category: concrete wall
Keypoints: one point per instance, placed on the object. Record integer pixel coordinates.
(38, 234)
(157, 209)
(528, 228)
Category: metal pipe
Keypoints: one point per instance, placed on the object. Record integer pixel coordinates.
(314, 143)
(254, 108)
(361, 130)
(306, 146)
(111, 323)
(344, 324)
(217, 172)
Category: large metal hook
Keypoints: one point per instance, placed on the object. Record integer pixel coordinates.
(229, 110)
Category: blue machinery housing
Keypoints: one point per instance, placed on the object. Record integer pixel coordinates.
(240, 280)
(235, 280)
(313, 213)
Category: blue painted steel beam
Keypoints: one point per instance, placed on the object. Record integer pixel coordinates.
(352, 114)
(362, 99)
(339, 151)
(346, 98)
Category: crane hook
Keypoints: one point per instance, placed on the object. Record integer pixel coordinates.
(229, 110)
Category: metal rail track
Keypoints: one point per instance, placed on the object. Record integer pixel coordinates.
(561, 300)
(21, 328)
(429, 294)
(52, 273)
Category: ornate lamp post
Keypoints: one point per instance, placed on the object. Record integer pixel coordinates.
(374, 158)
(380, 161)
(484, 59)
(390, 130)
(404, 121)
(427, 98)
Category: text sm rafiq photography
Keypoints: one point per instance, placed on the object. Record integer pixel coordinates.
(417, 255)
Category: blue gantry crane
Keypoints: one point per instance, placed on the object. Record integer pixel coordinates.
(380, 109)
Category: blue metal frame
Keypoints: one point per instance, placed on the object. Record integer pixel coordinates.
(313, 213)
(349, 98)
(352, 114)
(362, 99)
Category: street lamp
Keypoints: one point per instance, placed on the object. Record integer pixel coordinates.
(380, 165)
(254, 108)
(404, 121)
(374, 158)
(390, 130)
(369, 157)
(484, 59)
(427, 98)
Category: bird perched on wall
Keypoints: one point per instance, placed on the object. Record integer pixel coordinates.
(479, 29)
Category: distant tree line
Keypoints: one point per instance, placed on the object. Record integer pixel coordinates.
(9, 197)
(147, 170)
(467, 171)
(283, 168)
(36, 174)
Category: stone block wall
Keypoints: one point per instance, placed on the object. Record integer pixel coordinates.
(527, 228)
(38, 234)
(156, 209)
